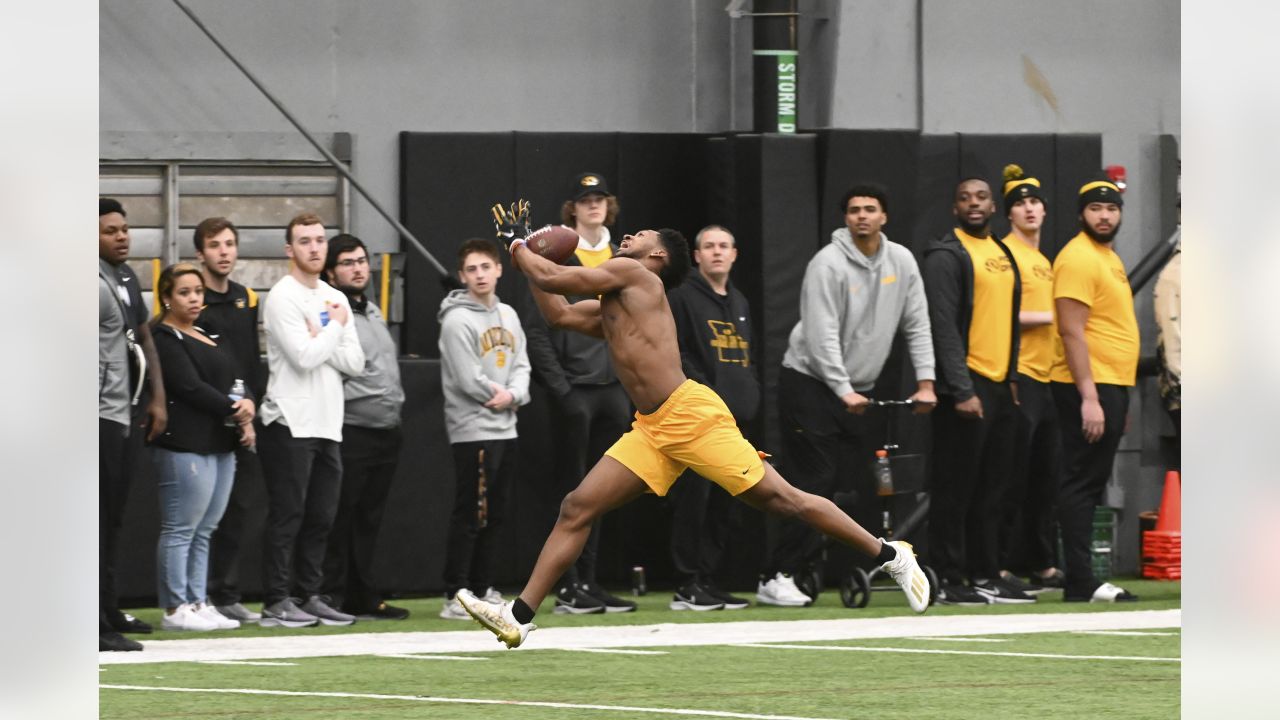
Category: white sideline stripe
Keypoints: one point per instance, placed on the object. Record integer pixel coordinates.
(959, 639)
(664, 635)
(853, 648)
(429, 657)
(467, 701)
(615, 651)
(263, 663)
(1127, 633)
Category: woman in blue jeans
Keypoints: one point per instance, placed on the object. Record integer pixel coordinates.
(195, 457)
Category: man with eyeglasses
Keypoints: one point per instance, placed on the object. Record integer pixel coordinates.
(371, 441)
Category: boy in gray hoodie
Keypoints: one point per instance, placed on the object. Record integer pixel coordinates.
(858, 292)
(484, 368)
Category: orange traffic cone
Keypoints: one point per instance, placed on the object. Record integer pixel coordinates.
(1170, 519)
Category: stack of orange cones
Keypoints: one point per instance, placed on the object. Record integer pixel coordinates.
(1162, 547)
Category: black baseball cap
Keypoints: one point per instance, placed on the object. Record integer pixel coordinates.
(587, 183)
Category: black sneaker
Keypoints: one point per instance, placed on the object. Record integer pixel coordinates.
(960, 595)
(572, 599)
(692, 596)
(126, 623)
(113, 641)
(383, 612)
(730, 602)
(1053, 581)
(1000, 592)
(611, 604)
(1016, 583)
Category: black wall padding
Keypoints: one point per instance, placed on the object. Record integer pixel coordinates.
(938, 172)
(448, 181)
(1035, 153)
(887, 157)
(1078, 160)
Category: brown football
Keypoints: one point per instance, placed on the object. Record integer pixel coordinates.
(553, 242)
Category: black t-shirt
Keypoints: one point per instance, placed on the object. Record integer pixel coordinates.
(231, 319)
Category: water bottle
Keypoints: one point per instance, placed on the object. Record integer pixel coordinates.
(883, 473)
(236, 395)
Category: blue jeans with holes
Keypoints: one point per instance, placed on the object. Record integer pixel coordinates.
(193, 490)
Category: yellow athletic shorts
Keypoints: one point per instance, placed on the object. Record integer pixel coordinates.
(692, 429)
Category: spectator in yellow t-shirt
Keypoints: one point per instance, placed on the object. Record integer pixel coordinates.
(1094, 306)
(1028, 538)
(971, 284)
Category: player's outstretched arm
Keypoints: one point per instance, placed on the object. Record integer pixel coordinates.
(607, 277)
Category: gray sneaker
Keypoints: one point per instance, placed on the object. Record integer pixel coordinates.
(286, 614)
(317, 605)
(238, 612)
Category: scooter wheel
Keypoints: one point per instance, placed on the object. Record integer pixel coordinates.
(855, 590)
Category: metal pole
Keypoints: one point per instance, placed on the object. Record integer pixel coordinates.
(1153, 262)
(333, 160)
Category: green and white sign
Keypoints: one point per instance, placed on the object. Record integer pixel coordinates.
(787, 79)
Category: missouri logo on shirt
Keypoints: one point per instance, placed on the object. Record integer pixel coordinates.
(1044, 272)
(997, 265)
(500, 339)
(730, 346)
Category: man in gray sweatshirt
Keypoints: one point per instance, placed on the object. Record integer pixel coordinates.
(858, 292)
(371, 441)
(484, 369)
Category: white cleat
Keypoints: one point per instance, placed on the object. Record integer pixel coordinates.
(907, 573)
(496, 618)
(781, 590)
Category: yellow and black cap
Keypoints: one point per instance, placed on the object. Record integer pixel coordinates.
(1018, 186)
(587, 183)
(1100, 190)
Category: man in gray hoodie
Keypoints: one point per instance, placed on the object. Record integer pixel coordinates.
(484, 369)
(858, 292)
(371, 441)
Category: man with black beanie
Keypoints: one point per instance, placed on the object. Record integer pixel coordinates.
(1091, 380)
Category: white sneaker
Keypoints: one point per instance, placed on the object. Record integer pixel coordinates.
(496, 618)
(1107, 592)
(452, 610)
(208, 612)
(907, 573)
(185, 618)
(781, 590)
(491, 595)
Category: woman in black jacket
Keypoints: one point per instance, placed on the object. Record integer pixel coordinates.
(194, 458)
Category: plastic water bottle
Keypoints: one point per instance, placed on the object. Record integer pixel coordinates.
(236, 395)
(883, 473)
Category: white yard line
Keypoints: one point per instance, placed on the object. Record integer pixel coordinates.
(614, 651)
(640, 636)
(466, 701)
(959, 639)
(924, 651)
(1126, 633)
(262, 663)
(403, 656)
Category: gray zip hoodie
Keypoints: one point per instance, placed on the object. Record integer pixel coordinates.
(478, 346)
(851, 306)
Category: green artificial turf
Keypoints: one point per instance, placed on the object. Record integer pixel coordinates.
(809, 683)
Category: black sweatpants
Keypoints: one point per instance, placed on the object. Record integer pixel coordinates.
(972, 462)
(115, 470)
(484, 471)
(369, 460)
(700, 521)
(224, 546)
(1028, 536)
(588, 421)
(1086, 468)
(814, 424)
(303, 477)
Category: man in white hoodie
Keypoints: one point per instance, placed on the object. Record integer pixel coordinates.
(858, 292)
(484, 370)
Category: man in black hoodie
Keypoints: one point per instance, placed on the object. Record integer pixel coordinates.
(713, 327)
(974, 293)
